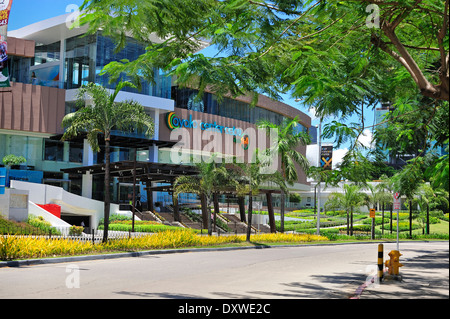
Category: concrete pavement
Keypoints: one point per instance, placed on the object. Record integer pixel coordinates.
(422, 277)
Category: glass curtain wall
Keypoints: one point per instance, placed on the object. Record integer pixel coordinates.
(229, 108)
(80, 61)
(106, 53)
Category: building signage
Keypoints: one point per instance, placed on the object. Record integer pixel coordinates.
(5, 7)
(326, 157)
(174, 122)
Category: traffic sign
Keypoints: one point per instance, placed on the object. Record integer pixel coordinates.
(397, 202)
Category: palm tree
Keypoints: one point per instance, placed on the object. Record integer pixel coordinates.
(99, 114)
(289, 139)
(428, 199)
(251, 177)
(351, 198)
(385, 196)
(208, 182)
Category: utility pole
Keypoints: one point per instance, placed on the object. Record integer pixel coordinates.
(319, 142)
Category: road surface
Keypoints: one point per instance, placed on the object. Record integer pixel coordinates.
(318, 272)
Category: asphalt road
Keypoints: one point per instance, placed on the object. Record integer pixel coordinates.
(307, 272)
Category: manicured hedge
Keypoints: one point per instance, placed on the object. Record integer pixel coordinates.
(143, 228)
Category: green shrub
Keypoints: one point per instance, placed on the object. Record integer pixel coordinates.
(402, 226)
(76, 230)
(113, 218)
(142, 228)
(40, 223)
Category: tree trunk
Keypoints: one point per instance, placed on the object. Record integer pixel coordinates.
(216, 209)
(209, 216)
(428, 219)
(241, 202)
(351, 221)
(107, 200)
(273, 228)
(205, 216)
(391, 218)
(250, 212)
(176, 208)
(410, 219)
(282, 208)
(348, 223)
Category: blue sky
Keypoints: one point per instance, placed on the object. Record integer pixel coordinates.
(25, 12)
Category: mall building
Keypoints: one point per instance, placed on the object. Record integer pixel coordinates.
(48, 62)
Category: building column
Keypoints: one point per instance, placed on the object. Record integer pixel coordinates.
(88, 160)
(86, 185)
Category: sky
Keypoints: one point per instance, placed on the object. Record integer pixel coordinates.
(25, 12)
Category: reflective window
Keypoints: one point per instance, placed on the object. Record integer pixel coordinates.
(228, 108)
(47, 53)
(76, 152)
(53, 150)
(80, 61)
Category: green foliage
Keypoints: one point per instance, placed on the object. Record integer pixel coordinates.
(324, 53)
(114, 218)
(40, 223)
(12, 159)
(104, 115)
(33, 226)
(142, 228)
(76, 230)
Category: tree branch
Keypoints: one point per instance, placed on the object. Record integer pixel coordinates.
(444, 70)
(407, 60)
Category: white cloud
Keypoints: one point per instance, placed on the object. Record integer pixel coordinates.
(312, 113)
(366, 139)
(338, 155)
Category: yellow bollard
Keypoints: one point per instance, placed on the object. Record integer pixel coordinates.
(380, 262)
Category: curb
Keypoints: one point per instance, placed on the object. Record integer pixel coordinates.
(31, 262)
(56, 260)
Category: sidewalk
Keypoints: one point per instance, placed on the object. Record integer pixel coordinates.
(424, 277)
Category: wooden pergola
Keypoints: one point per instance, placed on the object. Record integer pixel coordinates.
(133, 171)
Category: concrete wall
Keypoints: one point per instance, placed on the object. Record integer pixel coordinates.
(14, 205)
(70, 203)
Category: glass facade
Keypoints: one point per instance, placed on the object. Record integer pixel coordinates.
(79, 64)
(84, 58)
(229, 108)
(106, 53)
(46, 156)
(47, 53)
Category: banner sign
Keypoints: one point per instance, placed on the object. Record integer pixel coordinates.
(326, 157)
(5, 8)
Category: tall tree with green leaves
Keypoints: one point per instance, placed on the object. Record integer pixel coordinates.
(336, 56)
(351, 198)
(304, 37)
(212, 178)
(286, 148)
(385, 196)
(98, 115)
(252, 177)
